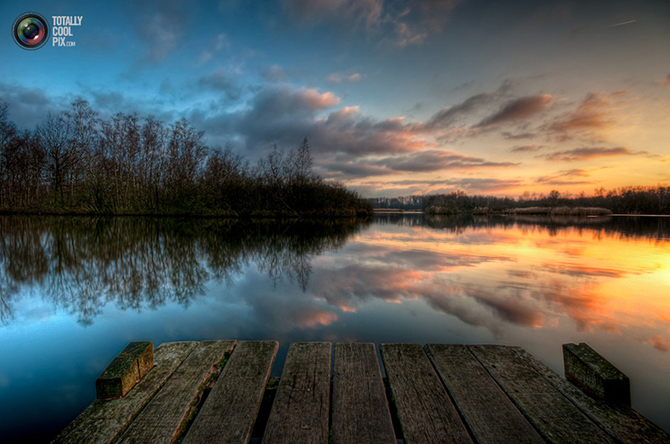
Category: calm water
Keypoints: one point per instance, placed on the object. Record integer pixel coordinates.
(75, 291)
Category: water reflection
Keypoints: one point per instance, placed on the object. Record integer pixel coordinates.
(81, 264)
(603, 274)
(532, 282)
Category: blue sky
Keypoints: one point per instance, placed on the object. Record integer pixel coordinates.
(396, 97)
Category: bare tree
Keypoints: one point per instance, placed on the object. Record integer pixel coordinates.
(55, 134)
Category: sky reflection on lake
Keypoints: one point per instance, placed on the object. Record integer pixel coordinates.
(75, 291)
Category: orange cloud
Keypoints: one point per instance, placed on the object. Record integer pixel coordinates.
(660, 343)
(313, 100)
(594, 113)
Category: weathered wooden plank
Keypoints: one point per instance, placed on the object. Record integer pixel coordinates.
(489, 413)
(553, 415)
(164, 418)
(624, 423)
(360, 409)
(300, 410)
(230, 410)
(103, 421)
(126, 370)
(426, 413)
(595, 375)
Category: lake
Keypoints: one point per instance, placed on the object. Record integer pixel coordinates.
(75, 291)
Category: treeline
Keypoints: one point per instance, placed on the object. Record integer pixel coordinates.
(75, 162)
(624, 200)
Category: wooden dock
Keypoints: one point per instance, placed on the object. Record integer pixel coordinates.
(221, 392)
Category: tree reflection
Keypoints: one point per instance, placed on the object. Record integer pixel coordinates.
(628, 227)
(80, 264)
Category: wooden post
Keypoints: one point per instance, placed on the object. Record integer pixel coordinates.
(125, 370)
(594, 375)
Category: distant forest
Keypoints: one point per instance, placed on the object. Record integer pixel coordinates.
(625, 200)
(76, 163)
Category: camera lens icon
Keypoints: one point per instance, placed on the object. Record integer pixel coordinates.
(30, 31)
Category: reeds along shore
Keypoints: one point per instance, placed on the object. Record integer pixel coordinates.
(76, 163)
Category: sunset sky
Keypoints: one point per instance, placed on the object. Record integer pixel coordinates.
(395, 97)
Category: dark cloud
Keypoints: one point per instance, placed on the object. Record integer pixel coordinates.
(526, 148)
(666, 82)
(29, 106)
(510, 136)
(223, 82)
(586, 153)
(435, 160)
(507, 308)
(448, 116)
(352, 168)
(519, 109)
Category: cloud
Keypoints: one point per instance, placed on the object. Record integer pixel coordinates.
(666, 82)
(336, 78)
(526, 148)
(161, 30)
(435, 160)
(574, 176)
(518, 109)
(587, 153)
(222, 81)
(29, 106)
(595, 113)
(413, 22)
(660, 343)
(398, 24)
(450, 115)
(220, 43)
(274, 73)
(366, 12)
(405, 36)
(416, 186)
(276, 102)
(508, 135)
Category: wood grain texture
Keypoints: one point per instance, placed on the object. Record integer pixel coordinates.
(489, 413)
(426, 413)
(556, 418)
(125, 370)
(103, 421)
(360, 409)
(164, 418)
(624, 423)
(300, 411)
(230, 410)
